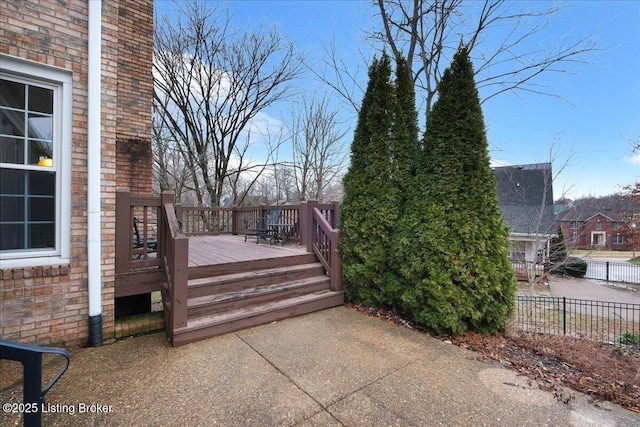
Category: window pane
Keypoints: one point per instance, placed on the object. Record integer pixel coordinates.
(27, 204)
(11, 236)
(39, 150)
(42, 236)
(11, 122)
(42, 209)
(11, 94)
(42, 183)
(12, 181)
(40, 99)
(40, 127)
(11, 208)
(11, 150)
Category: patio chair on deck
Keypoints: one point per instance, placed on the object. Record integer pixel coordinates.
(138, 244)
(280, 227)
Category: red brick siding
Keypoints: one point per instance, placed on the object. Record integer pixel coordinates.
(585, 229)
(134, 92)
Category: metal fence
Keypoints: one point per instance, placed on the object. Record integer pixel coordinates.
(613, 271)
(612, 323)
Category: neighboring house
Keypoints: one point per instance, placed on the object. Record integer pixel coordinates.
(593, 228)
(525, 194)
(75, 124)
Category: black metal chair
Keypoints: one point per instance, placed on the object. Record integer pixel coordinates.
(257, 229)
(138, 244)
(31, 358)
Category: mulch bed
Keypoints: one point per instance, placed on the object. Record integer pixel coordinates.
(555, 362)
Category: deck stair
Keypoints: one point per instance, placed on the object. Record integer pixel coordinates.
(229, 297)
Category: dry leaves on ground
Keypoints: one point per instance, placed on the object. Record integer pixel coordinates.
(554, 362)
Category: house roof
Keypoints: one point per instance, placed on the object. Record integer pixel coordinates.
(585, 213)
(525, 195)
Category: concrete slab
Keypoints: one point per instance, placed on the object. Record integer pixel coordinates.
(330, 368)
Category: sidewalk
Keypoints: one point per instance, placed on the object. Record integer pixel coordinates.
(331, 368)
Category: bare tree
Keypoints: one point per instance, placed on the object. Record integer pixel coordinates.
(318, 153)
(211, 81)
(500, 34)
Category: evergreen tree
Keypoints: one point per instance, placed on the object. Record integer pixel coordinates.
(558, 249)
(452, 240)
(369, 208)
(405, 150)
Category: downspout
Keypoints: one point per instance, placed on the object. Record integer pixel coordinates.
(94, 240)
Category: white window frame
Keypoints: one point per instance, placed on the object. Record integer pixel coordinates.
(61, 81)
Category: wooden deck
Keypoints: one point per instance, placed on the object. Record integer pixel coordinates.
(226, 248)
(212, 280)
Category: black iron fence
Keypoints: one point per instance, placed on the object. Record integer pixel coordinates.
(613, 271)
(612, 323)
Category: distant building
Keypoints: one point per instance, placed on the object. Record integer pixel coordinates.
(525, 195)
(594, 228)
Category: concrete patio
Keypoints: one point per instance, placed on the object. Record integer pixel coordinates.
(330, 368)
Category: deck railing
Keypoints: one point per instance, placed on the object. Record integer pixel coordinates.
(158, 261)
(321, 236)
(137, 264)
(231, 220)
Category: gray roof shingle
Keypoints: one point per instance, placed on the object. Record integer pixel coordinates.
(525, 195)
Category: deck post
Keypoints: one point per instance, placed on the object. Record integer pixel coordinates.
(165, 197)
(309, 230)
(336, 215)
(303, 217)
(124, 226)
(336, 262)
(180, 270)
(179, 211)
(234, 223)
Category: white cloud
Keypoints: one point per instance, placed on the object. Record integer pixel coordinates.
(635, 159)
(494, 163)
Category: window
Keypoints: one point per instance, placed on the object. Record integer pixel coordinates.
(574, 224)
(573, 238)
(598, 225)
(517, 251)
(35, 150)
(618, 239)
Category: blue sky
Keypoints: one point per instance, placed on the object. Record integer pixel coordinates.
(588, 129)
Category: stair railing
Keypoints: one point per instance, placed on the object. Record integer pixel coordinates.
(321, 238)
(175, 262)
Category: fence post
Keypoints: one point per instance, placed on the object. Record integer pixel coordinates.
(564, 315)
(607, 271)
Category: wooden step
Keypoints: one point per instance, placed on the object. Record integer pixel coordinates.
(211, 325)
(231, 283)
(229, 301)
(253, 265)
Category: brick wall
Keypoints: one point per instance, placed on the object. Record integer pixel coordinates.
(134, 92)
(49, 304)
